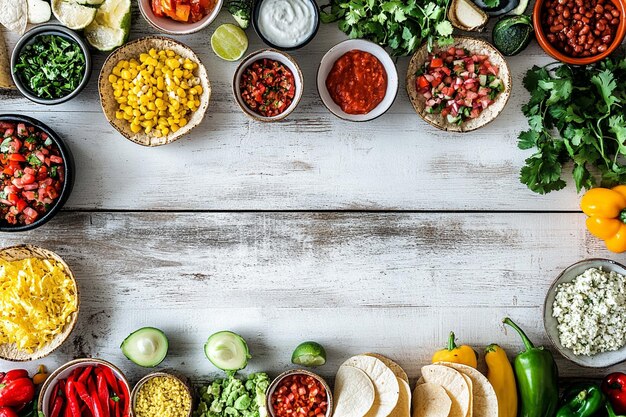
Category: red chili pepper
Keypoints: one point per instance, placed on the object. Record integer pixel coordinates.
(14, 374)
(614, 387)
(111, 380)
(85, 374)
(7, 412)
(97, 406)
(16, 392)
(57, 407)
(103, 392)
(81, 390)
(126, 401)
(72, 401)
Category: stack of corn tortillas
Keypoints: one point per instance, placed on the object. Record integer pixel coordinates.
(5, 75)
(453, 390)
(371, 385)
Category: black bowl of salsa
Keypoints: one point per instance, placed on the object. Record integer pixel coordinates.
(36, 173)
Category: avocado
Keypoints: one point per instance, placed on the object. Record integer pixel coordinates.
(146, 347)
(512, 34)
(227, 351)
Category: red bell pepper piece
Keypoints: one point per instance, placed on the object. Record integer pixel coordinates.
(614, 387)
(103, 392)
(16, 393)
(7, 412)
(57, 407)
(13, 375)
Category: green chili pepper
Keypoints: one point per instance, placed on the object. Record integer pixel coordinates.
(537, 378)
(582, 400)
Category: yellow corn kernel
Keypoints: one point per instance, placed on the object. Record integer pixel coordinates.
(144, 100)
(160, 83)
(170, 53)
(135, 128)
(128, 110)
(198, 89)
(174, 128)
(182, 122)
(178, 73)
(149, 115)
(136, 112)
(119, 115)
(181, 92)
(117, 93)
(151, 106)
(112, 78)
(188, 65)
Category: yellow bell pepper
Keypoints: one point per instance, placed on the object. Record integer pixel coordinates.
(500, 374)
(606, 209)
(456, 354)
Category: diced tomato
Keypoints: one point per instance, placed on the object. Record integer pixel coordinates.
(436, 63)
(422, 82)
(17, 157)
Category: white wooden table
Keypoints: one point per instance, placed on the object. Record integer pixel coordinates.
(380, 236)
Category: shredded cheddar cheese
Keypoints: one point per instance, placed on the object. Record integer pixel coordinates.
(37, 299)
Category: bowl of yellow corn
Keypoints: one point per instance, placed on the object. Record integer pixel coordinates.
(154, 90)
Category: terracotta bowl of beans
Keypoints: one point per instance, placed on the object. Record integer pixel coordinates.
(309, 390)
(579, 32)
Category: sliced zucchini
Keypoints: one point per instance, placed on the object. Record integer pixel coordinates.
(227, 351)
(146, 347)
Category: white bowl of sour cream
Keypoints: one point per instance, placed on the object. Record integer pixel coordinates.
(286, 24)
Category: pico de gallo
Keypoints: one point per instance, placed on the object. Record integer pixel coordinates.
(32, 173)
(267, 87)
(299, 395)
(186, 11)
(458, 85)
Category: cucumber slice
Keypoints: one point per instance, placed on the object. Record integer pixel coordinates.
(146, 347)
(227, 351)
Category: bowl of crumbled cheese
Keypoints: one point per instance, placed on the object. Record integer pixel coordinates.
(585, 313)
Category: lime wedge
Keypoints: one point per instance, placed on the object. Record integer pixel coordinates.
(229, 42)
(111, 26)
(309, 354)
(73, 15)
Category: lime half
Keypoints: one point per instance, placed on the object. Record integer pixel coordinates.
(309, 354)
(229, 42)
(73, 15)
(111, 26)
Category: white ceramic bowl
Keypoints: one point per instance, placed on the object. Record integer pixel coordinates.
(65, 370)
(327, 64)
(600, 360)
(172, 27)
(284, 59)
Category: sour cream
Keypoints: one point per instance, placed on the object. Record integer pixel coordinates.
(286, 23)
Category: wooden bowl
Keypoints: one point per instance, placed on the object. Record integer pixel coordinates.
(132, 50)
(9, 351)
(555, 53)
(475, 46)
(161, 374)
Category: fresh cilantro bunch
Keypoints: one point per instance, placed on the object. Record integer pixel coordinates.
(401, 25)
(575, 114)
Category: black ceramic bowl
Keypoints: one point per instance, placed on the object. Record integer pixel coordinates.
(28, 39)
(255, 24)
(69, 174)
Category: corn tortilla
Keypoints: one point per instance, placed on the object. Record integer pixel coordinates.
(430, 400)
(454, 384)
(483, 395)
(354, 392)
(14, 15)
(403, 408)
(5, 75)
(395, 368)
(385, 383)
(475, 46)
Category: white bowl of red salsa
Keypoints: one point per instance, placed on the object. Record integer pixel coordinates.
(357, 80)
(268, 85)
(36, 173)
(299, 393)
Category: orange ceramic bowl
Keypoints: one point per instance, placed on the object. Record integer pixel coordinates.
(555, 53)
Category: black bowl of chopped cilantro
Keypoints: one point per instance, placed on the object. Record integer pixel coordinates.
(50, 64)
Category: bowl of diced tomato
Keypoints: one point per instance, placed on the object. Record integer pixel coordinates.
(36, 170)
(302, 390)
(179, 17)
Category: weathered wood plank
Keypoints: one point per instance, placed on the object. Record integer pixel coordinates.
(395, 283)
(311, 161)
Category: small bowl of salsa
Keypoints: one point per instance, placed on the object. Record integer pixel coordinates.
(179, 17)
(36, 173)
(357, 80)
(299, 392)
(268, 85)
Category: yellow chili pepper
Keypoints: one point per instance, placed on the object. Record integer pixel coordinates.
(41, 375)
(500, 374)
(606, 209)
(456, 354)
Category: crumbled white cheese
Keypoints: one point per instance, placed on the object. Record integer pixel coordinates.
(591, 312)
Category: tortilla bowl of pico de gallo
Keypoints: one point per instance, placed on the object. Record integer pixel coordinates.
(459, 88)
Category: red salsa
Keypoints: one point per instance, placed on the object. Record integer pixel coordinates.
(458, 85)
(32, 173)
(357, 82)
(299, 395)
(187, 11)
(267, 87)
